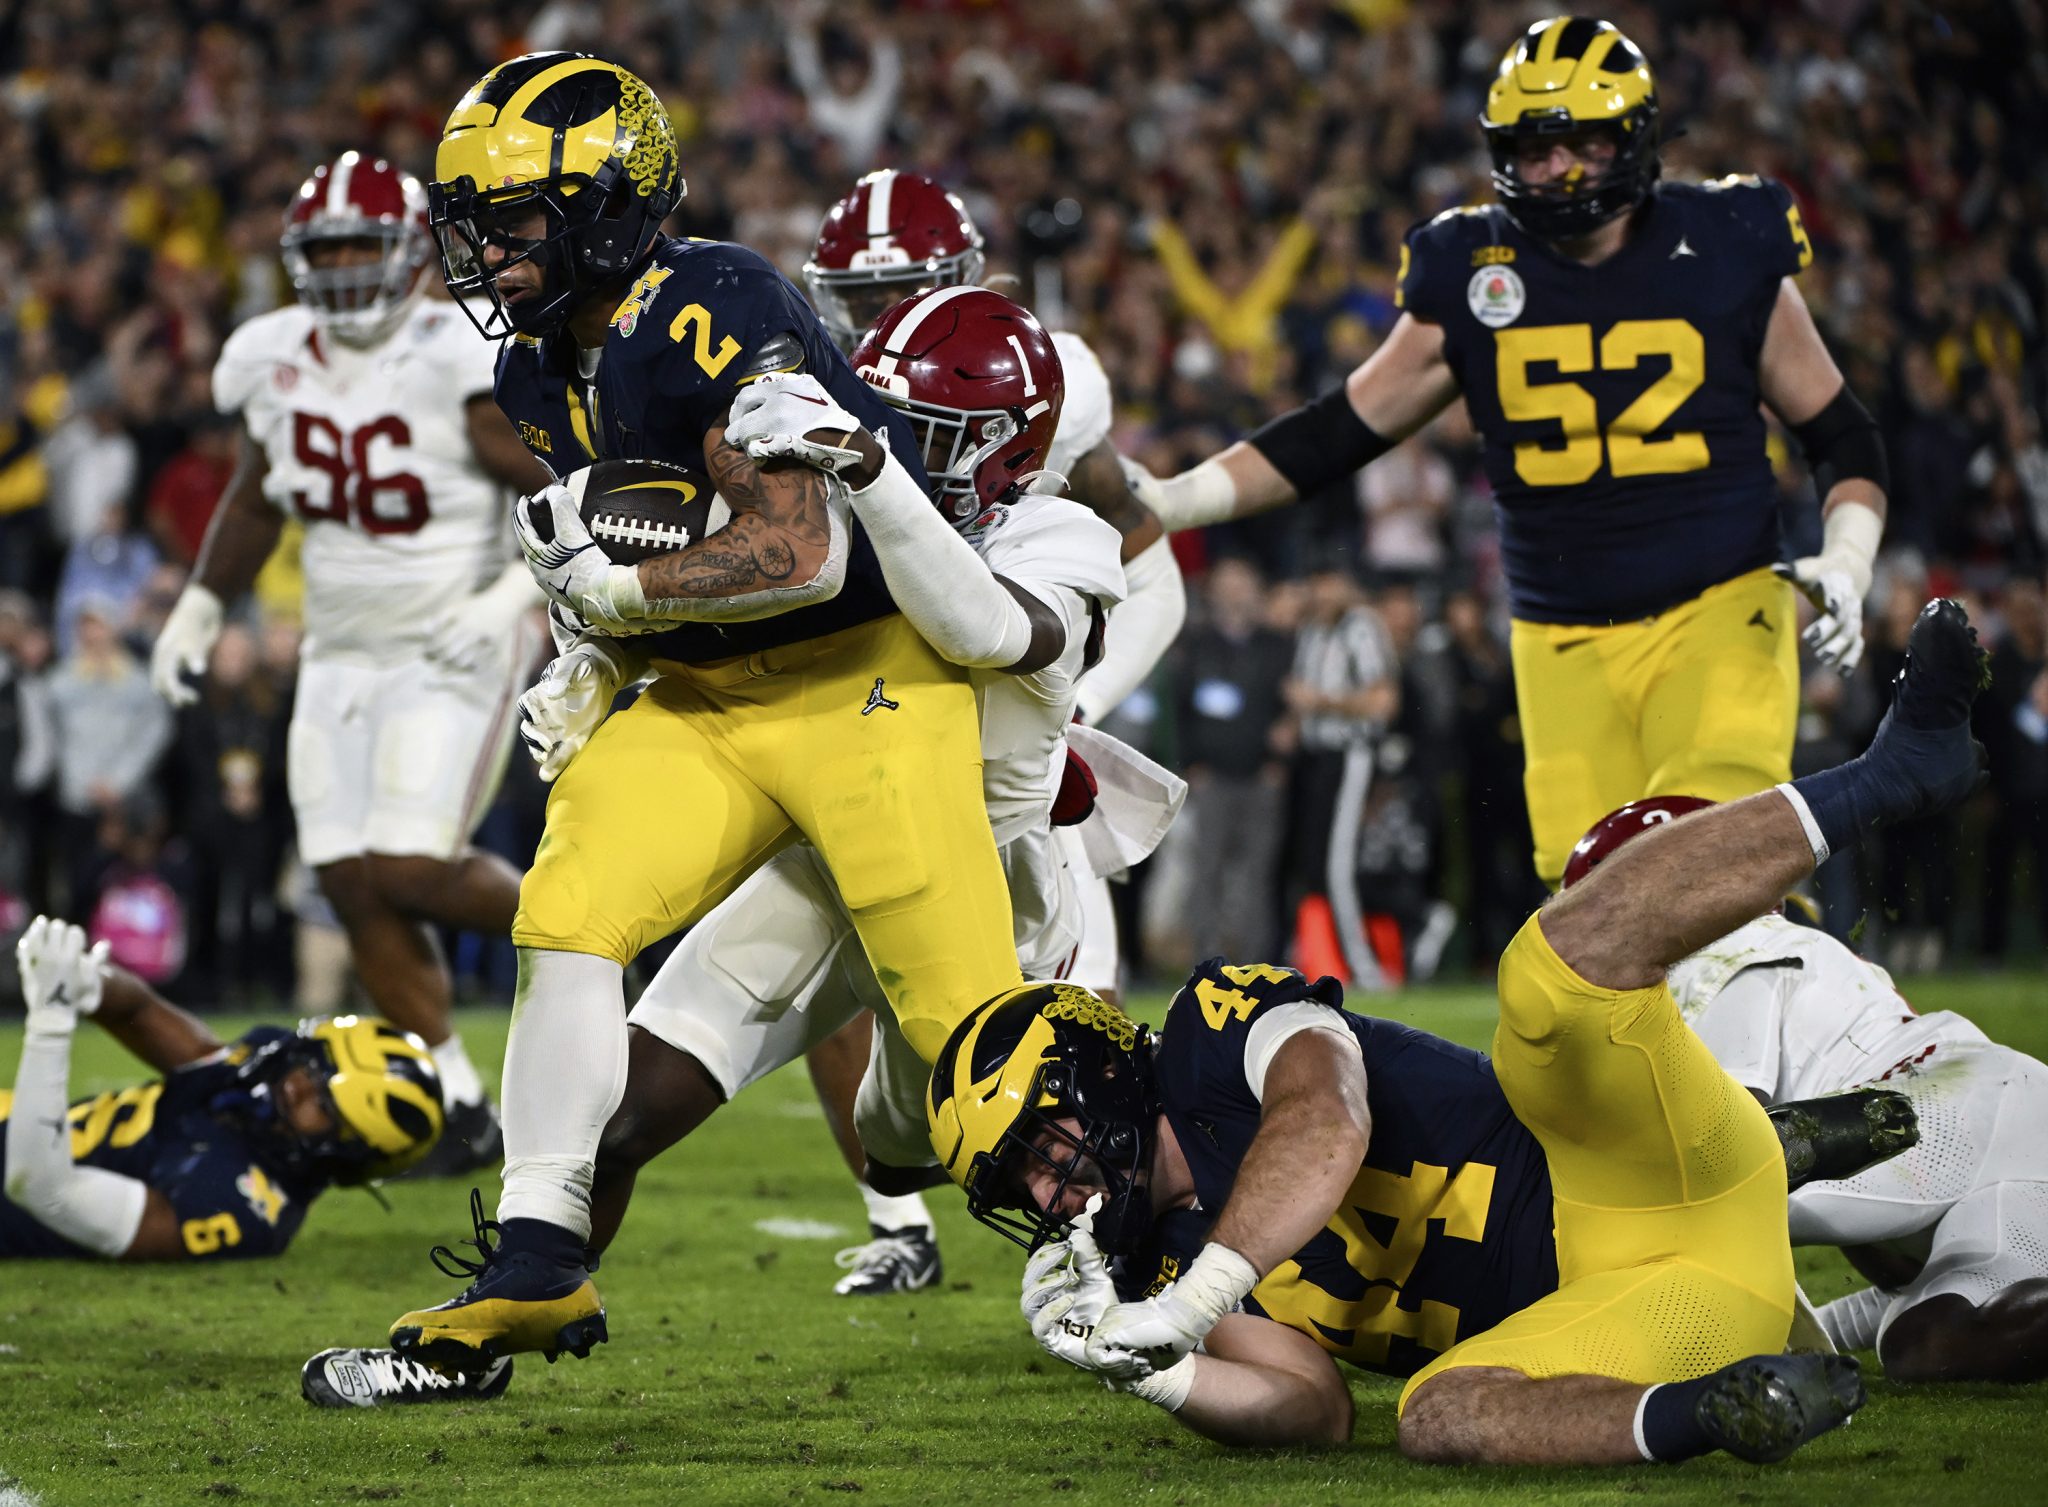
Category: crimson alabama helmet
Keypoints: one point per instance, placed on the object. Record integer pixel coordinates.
(362, 200)
(1624, 825)
(894, 235)
(979, 380)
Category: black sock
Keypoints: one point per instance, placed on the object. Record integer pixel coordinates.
(540, 1238)
(1846, 803)
(1666, 1426)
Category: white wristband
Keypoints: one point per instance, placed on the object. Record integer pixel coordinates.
(1169, 1388)
(1196, 498)
(1850, 535)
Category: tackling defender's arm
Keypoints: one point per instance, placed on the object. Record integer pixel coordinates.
(1393, 392)
(1148, 619)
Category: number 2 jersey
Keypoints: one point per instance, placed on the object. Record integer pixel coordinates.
(231, 1201)
(1447, 1228)
(370, 449)
(1618, 402)
(701, 320)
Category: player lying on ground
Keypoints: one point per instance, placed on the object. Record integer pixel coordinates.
(897, 234)
(769, 639)
(1657, 1335)
(1955, 1231)
(1615, 339)
(366, 415)
(221, 1157)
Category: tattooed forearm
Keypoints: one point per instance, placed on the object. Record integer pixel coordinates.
(779, 537)
(791, 496)
(748, 554)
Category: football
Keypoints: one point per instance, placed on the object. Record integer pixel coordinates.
(638, 508)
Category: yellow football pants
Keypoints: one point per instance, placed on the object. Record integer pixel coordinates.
(1673, 1256)
(865, 742)
(1701, 700)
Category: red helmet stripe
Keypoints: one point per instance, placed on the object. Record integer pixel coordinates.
(881, 189)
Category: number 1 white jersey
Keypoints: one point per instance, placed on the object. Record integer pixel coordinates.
(370, 449)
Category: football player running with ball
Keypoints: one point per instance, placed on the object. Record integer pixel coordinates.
(1613, 337)
(790, 699)
(894, 235)
(1359, 1190)
(1953, 1232)
(366, 415)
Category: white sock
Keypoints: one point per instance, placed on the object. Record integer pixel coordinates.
(565, 1072)
(888, 1213)
(459, 1081)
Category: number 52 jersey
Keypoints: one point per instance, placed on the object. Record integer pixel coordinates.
(1618, 402)
(370, 449)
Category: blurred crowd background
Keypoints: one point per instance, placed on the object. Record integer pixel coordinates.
(1214, 195)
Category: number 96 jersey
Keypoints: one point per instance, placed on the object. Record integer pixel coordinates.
(370, 449)
(1619, 402)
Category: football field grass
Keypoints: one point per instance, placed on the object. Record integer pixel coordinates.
(734, 1374)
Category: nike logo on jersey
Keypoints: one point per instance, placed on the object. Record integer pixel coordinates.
(877, 702)
(1682, 249)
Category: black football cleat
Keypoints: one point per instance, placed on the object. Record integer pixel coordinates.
(1840, 1135)
(471, 1141)
(892, 1261)
(517, 1301)
(1923, 752)
(356, 1378)
(1763, 1408)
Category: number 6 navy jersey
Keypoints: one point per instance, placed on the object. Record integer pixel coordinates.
(231, 1201)
(700, 321)
(1445, 1231)
(1619, 402)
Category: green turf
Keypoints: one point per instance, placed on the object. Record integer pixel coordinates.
(734, 1375)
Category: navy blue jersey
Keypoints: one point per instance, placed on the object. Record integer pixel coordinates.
(1447, 1229)
(702, 318)
(1619, 402)
(230, 1200)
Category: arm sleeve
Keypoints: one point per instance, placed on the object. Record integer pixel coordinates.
(941, 585)
(1142, 628)
(89, 1206)
(1280, 1024)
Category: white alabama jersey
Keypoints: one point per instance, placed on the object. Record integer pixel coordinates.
(1085, 411)
(1792, 1013)
(370, 449)
(1067, 558)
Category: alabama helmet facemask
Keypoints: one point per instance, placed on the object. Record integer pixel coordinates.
(980, 382)
(1565, 77)
(565, 143)
(1048, 1074)
(379, 1085)
(358, 200)
(896, 234)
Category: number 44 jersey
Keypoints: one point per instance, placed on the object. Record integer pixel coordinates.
(370, 449)
(1618, 402)
(1445, 1231)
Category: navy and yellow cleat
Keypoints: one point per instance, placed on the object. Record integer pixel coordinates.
(1763, 1408)
(1839, 1135)
(1923, 755)
(520, 1298)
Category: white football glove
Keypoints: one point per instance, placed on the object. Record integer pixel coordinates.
(773, 416)
(1165, 1327)
(186, 643)
(571, 569)
(1067, 1289)
(1836, 581)
(468, 633)
(60, 977)
(568, 703)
